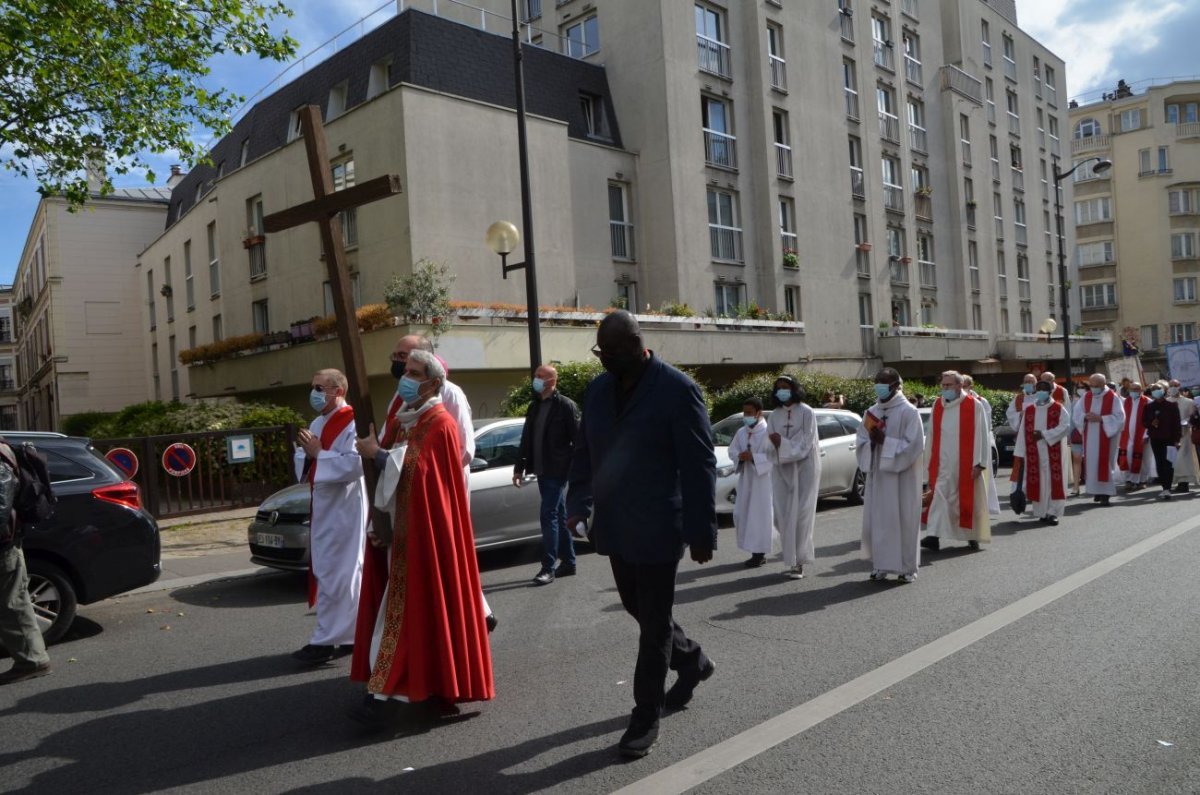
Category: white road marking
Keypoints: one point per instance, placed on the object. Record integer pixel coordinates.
(728, 754)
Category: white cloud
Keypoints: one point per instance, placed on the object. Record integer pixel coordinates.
(1088, 39)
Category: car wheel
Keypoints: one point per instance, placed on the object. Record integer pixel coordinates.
(857, 488)
(53, 598)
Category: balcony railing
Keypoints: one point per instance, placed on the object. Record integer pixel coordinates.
(726, 242)
(912, 70)
(909, 7)
(778, 72)
(966, 151)
(1023, 290)
(1089, 143)
(991, 112)
(1055, 149)
(847, 23)
(999, 222)
(1010, 69)
(7, 384)
(1187, 129)
(783, 159)
(928, 274)
(917, 138)
(1022, 234)
(995, 170)
(1051, 96)
(889, 127)
(788, 242)
(857, 186)
(621, 235)
(1037, 85)
(868, 336)
(862, 262)
(713, 56)
(1018, 179)
(893, 198)
(958, 81)
(884, 56)
(974, 278)
(720, 149)
(1014, 123)
(923, 206)
(970, 216)
(258, 260)
(898, 272)
(851, 103)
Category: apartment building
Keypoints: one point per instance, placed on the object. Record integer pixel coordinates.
(832, 163)
(1137, 225)
(8, 364)
(79, 331)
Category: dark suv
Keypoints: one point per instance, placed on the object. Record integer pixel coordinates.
(99, 542)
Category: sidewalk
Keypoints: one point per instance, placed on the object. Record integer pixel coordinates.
(204, 547)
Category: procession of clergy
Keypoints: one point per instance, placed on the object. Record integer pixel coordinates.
(944, 485)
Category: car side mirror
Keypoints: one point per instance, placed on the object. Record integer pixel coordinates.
(478, 464)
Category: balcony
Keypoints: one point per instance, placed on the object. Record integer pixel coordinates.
(899, 344)
(1018, 180)
(1042, 346)
(923, 206)
(912, 70)
(1091, 143)
(621, 236)
(898, 271)
(258, 261)
(7, 385)
(958, 81)
(857, 186)
(778, 69)
(862, 263)
(720, 149)
(884, 56)
(725, 242)
(893, 198)
(1187, 129)
(851, 104)
(783, 160)
(713, 56)
(889, 127)
(788, 241)
(917, 138)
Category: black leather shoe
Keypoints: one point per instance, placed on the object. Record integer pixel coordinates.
(544, 577)
(756, 559)
(564, 570)
(681, 692)
(315, 655)
(638, 739)
(22, 671)
(932, 543)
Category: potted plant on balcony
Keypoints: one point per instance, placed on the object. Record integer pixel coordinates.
(906, 260)
(971, 205)
(253, 238)
(924, 190)
(864, 246)
(791, 258)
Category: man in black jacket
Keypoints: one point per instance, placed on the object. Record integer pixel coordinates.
(547, 442)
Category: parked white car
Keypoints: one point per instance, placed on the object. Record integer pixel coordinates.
(836, 431)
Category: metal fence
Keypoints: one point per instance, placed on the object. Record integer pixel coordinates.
(216, 483)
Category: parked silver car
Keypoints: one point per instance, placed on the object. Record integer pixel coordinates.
(501, 514)
(836, 431)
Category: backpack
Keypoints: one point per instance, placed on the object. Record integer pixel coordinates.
(33, 499)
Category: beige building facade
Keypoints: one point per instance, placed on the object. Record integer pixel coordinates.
(873, 175)
(79, 331)
(1138, 224)
(8, 361)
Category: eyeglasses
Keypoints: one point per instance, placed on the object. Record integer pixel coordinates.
(399, 357)
(600, 353)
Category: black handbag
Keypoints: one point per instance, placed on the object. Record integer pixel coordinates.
(1017, 500)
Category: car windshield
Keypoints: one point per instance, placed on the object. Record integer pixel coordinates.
(724, 430)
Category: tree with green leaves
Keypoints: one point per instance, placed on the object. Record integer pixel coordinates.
(92, 80)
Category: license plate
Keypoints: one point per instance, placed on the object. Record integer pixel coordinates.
(269, 540)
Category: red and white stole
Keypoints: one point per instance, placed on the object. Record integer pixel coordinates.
(966, 458)
(1134, 420)
(338, 421)
(1033, 472)
(1106, 407)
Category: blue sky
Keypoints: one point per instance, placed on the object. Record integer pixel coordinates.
(1101, 41)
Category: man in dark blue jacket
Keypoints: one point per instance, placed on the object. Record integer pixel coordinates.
(644, 459)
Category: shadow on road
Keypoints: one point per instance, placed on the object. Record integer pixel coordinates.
(259, 590)
(796, 603)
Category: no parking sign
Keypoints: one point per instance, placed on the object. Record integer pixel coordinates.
(179, 459)
(123, 459)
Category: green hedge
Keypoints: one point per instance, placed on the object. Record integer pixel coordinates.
(573, 378)
(155, 418)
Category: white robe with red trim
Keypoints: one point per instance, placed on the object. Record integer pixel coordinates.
(892, 505)
(1137, 443)
(1052, 437)
(1110, 426)
(337, 531)
(943, 519)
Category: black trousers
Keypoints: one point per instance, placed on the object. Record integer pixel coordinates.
(1166, 470)
(648, 594)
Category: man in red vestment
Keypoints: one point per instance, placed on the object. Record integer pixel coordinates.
(421, 635)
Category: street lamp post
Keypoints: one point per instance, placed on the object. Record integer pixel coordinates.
(1101, 166)
(502, 236)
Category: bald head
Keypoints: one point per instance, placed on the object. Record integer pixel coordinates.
(1048, 377)
(1097, 380)
(1029, 378)
(620, 325)
(619, 343)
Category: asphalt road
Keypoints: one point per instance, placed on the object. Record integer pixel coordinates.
(192, 690)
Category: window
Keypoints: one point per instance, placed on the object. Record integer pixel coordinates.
(355, 296)
(1100, 253)
(989, 94)
(998, 215)
(377, 83)
(895, 242)
(889, 122)
(214, 265)
(1051, 87)
(188, 281)
(595, 120)
(167, 291)
(1131, 119)
(1053, 128)
(150, 299)
(994, 153)
(1183, 202)
(582, 38)
(217, 331)
(191, 337)
(1002, 274)
(1098, 296)
(791, 301)
(1184, 290)
(787, 226)
(262, 317)
(173, 361)
(775, 60)
(1185, 113)
(343, 177)
(916, 125)
(920, 178)
(1183, 245)
(245, 155)
(964, 137)
(850, 88)
(728, 299)
(725, 236)
(627, 294)
(1010, 57)
(1037, 77)
(532, 8)
(1153, 161)
(336, 105)
(1085, 170)
(294, 127)
(925, 261)
(619, 227)
(1182, 332)
(1026, 320)
(893, 183)
(987, 42)
(1041, 128)
(973, 265)
(969, 199)
(1023, 284)
(912, 57)
(719, 142)
(500, 447)
(1019, 222)
(901, 313)
(1093, 211)
(256, 243)
(846, 18)
(711, 45)
(881, 35)
(1014, 111)
(220, 169)
(783, 147)
(154, 369)
(1088, 128)
(862, 258)
(1149, 335)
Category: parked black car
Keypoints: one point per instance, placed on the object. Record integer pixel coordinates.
(99, 542)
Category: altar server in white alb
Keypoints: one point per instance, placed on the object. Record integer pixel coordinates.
(753, 513)
(327, 459)
(956, 506)
(890, 445)
(796, 476)
(1101, 416)
(1041, 444)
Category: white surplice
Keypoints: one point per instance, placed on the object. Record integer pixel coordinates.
(944, 520)
(753, 513)
(795, 480)
(1149, 469)
(892, 505)
(1110, 425)
(1186, 464)
(337, 529)
(1053, 436)
(992, 495)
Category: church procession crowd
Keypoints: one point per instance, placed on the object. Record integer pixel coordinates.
(397, 587)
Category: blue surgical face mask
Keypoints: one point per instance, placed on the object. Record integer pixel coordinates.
(409, 389)
(1136, 394)
(1156, 394)
(1041, 397)
(538, 385)
(1027, 388)
(1097, 390)
(883, 391)
(749, 422)
(949, 394)
(783, 395)
(316, 399)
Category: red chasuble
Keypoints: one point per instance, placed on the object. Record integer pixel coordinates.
(1033, 472)
(435, 641)
(1106, 406)
(1133, 420)
(337, 422)
(966, 459)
